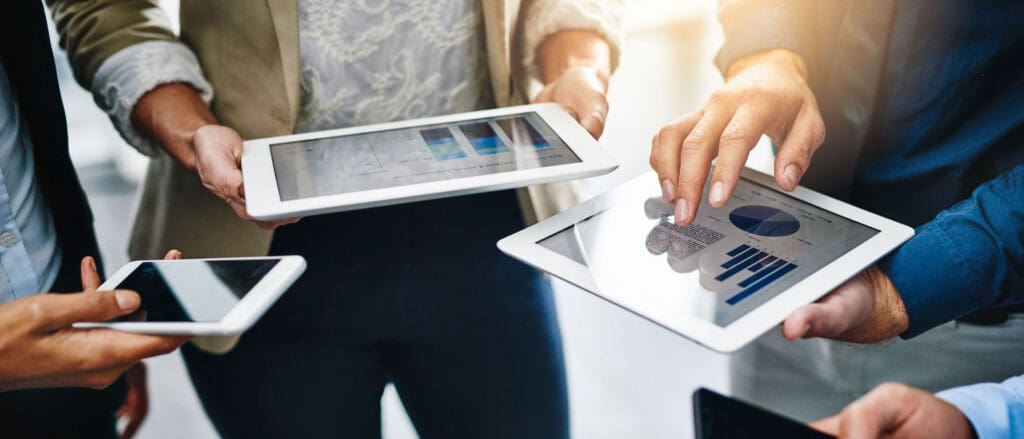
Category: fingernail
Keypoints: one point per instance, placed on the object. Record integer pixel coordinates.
(92, 263)
(126, 300)
(597, 115)
(668, 190)
(682, 211)
(792, 175)
(717, 192)
(807, 328)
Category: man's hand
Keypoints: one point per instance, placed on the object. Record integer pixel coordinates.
(39, 348)
(183, 125)
(574, 66)
(900, 412)
(764, 93)
(865, 309)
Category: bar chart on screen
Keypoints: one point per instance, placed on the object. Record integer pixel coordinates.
(754, 268)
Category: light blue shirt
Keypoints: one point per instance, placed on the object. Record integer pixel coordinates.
(995, 410)
(29, 256)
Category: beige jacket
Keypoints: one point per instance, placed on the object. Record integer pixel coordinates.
(249, 51)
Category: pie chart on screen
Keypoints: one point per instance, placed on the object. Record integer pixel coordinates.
(764, 221)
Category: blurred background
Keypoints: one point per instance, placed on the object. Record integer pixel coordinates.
(627, 377)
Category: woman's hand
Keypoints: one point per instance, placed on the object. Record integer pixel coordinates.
(574, 66)
(40, 348)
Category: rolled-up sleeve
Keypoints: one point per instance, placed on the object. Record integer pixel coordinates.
(135, 70)
(544, 18)
(969, 257)
(996, 411)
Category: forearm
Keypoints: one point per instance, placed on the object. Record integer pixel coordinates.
(171, 114)
(968, 258)
(569, 49)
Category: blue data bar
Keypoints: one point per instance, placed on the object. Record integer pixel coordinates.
(756, 277)
(739, 267)
(761, 284)
(762, 263)
(742, 257)
(738, 250)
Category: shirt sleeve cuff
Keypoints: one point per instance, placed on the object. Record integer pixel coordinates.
(135, 70)
(929, 273)
(994, 410)
(548, 18)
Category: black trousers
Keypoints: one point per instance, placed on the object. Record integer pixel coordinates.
(416, 295)
(62, 412)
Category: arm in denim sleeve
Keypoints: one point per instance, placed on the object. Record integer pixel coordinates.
(994, 410)
(969, 257)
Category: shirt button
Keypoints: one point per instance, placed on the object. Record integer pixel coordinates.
(7, 239)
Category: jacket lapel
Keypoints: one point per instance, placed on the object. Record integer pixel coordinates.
(285, 15)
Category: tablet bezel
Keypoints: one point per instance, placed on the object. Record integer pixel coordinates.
(263, 200)
(241, 317)
(524, 246)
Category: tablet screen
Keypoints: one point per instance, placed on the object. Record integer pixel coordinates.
(192, 290)
(729, 261)
(422, 154)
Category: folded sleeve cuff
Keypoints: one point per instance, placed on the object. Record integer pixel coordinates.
(135, 70)
(744, 25)
(994, 410)
(931, 275)
(548, 18)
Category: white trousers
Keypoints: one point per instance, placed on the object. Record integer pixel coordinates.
(812, 379)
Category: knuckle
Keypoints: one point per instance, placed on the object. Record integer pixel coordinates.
(721, 96)
(734, 136)
(36, 313)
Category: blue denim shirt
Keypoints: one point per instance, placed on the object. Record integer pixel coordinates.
(949, 117)
(29, 256)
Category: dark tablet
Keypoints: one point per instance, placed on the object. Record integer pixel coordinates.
(720, 417)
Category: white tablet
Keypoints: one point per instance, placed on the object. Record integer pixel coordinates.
(725, 279)
(376, 165)
(201, 296)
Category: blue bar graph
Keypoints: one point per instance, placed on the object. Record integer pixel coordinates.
(739, 267)
(762, 263)
(763, 273)
(742, 257)
(760, 284)
(738, 250)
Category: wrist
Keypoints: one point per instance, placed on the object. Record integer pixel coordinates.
(890, 311)
(574, 49)
(172, 114)
(783, 59)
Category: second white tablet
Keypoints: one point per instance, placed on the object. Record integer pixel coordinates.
(376, 165)
(734, 273)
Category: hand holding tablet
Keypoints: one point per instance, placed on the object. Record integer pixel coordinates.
(416, 160)
(201, 296)
(733, 273)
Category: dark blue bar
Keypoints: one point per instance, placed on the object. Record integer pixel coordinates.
(761, 264)
(740, 258)
(722, 277)
(762, 273)
(754, 288)
(737, 250)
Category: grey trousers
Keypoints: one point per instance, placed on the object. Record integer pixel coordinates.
(812, 379)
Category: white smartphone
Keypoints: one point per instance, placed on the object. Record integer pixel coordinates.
(201, 296)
